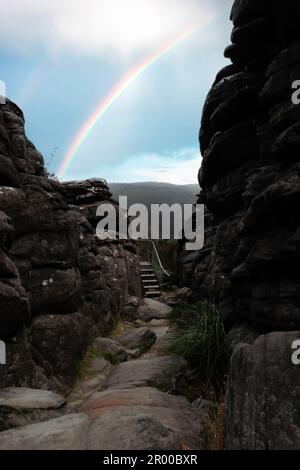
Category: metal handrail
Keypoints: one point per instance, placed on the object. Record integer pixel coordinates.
(162, 269)
(158, 259)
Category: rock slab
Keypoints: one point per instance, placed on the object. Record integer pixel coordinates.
(161, 372)
(30, 399)
(128, 406)
(152, 309)
(69, 432)
(138, 338)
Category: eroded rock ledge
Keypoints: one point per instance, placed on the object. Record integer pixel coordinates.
(59, 285)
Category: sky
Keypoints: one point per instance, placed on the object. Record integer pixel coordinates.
(151, 62)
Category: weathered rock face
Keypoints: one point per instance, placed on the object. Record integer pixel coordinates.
(59, 284)
(263, 395)
(250, 184)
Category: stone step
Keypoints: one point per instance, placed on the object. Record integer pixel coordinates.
(149, 280)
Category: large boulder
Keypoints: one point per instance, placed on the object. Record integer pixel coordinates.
(151, 309)
(138, 338)
(68, 432)
(110, 347)
(262, 404)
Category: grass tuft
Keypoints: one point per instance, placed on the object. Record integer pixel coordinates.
(82, 365)
(199, 337)
(214, 428)
(114, 360)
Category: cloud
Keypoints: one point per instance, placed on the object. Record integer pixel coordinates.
(102, 27)
(178, 167)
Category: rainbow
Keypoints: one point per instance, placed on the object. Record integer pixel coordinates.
(120, 88)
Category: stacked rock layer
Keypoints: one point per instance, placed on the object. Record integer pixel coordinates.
(250, 143)
(59, 284)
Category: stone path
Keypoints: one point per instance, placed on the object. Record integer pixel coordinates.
(131, 404)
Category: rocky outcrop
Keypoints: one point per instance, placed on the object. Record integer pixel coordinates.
(263, 395)
(128, 405)
(68, 432)
(59, 284)
(250, 184)
(23, 406)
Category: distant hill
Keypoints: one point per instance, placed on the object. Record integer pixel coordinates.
(155, 193)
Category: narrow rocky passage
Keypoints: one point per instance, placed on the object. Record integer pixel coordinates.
(126, 396)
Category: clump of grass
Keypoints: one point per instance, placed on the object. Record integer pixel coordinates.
(199, 337)
(93, 352)
(114, 360)
(81, 371)
(214, 428)
(82, 365)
